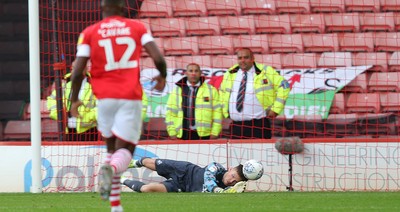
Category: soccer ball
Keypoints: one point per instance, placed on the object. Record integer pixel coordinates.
(253, 169)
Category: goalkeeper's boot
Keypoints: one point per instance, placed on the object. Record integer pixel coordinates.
(106, 175)
(122, 180)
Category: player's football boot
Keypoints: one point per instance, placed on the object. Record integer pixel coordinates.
(106, 175)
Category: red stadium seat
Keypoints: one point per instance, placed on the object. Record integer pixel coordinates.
(146, 22)
(379, 60)
(215, 45)
(342, 125)
(377, 22)
(307, 23)
(204, 61)
(272, 24)
(290, 6)
(320, 42)
(185, 8)
(44, 112)
(12, 109)
(155, 9)
(394, 62)
(342, 22)
(377, 124)
(357, 85)
(362, 5)
(387, 41)
(279, 126)
(356, 42)
(257, 43)
(390, 5)
(384, 81)
(299, 60)
(224, 61)
(363, 103)
(390, 102)
(167, 27)
(198, 26)
(258, 7)
(232, 25)
(335, 59)
(285, 43)
(397, 21)
(181, 46)
(147, 62)
(338, 104)
(160, 44)
(226, 7)
(273, 60)
(323, 6)
(21, 130)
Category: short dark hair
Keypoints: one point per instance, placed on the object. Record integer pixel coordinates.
(193, 64)
(115, 3)
(239, 170)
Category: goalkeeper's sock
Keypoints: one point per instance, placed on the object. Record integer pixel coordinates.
(120, 160)
(115, 195)
(134, 185)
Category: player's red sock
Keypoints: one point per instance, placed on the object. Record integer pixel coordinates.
(115, 195)
(120, 160)
(107, 160)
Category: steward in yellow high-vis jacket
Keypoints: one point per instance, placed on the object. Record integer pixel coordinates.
(82, 128)
(251, 94)
(193, 108)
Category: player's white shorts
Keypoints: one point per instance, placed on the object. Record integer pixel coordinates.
(120, 117)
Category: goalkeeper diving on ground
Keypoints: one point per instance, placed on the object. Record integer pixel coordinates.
(183, 176)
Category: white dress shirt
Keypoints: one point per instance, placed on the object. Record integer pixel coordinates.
(252, 108)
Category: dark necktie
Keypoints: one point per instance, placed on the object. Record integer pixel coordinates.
(242, 91)
(192, 97)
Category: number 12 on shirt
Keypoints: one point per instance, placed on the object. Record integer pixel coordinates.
(124, 62)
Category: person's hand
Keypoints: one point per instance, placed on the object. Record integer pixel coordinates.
(213, 137)
(172, 137)
(160, 83)
(74, 108)
(272, 114)
(237, 188)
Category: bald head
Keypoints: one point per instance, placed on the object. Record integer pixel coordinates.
(112, 7)
(245, 59)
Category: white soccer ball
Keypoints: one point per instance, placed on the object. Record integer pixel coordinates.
(253, 169)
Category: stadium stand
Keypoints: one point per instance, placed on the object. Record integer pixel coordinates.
(377, 22)
(181, 46)
(257, 7)
(342, 22)
(272, 24)
(299, 60)
(300, 6)
(390, 102)
(362, 5)
(394, 62)
(387, 41)
(322, 6)
(167, 27)
(307, 23)
(320, 43)
(156, 9)
(335, 59)
(273, 60)
(285, 43)
(203, 60)
(338, 104)
(378, 60)
(227, 7)
(236, 25)
(215, 45)
(257, 43)
(363, 103)
(197, 26)
(189, 8)
(358, 85)
(356, 42)
(380, 82)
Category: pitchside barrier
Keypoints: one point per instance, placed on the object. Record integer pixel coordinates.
(351, 164)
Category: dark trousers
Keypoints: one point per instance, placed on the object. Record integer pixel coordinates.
(90, 135)
(192, 135)
(253, 129)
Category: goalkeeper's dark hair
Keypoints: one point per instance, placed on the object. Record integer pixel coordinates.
(239, 170)
(114, 3)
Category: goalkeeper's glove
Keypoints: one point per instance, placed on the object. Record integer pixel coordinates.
(237, 188)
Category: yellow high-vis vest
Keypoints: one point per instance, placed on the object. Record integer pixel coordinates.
(208, 113)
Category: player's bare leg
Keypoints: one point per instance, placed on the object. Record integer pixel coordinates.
(139, 186)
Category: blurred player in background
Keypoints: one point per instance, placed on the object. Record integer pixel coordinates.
(184, 176)
(114, 47)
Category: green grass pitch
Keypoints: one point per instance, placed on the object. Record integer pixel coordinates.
(189, 202)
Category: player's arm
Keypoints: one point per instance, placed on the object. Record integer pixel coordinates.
(77, 77)
(210, 180)
(160, 63)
